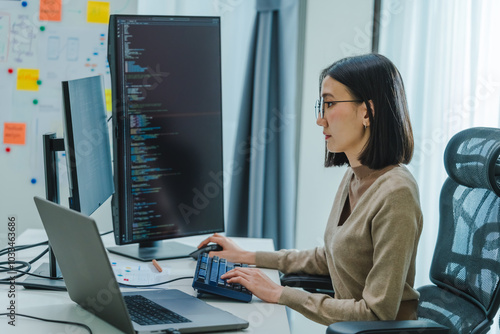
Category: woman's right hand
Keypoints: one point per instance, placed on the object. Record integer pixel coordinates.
(230, 250)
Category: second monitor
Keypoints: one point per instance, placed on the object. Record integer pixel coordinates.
(167, 120)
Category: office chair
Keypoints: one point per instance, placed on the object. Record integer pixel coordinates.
(310, 283)
(465, 270)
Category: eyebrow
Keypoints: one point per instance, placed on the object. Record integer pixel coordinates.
(327, 94)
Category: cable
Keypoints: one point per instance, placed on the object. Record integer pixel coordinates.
(22, 247)
(25, 272)
(46, 242)
(52, 320)
(154, 284)
(24, 264)
(39, 256)
(103, 234)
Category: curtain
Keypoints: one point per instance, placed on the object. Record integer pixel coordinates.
(447, 52)
(263, 187)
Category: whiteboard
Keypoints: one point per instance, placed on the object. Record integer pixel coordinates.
(54, 50)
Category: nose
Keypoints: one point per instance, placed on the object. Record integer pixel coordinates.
(321, 121)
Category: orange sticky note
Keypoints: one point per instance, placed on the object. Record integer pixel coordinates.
(27, 79)
(14, 133)
(50, 10)
(97, 12)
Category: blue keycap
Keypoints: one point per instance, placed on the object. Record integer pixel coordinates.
(214, 270)
(222, 271)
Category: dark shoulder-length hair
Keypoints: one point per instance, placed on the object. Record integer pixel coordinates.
(374, 77)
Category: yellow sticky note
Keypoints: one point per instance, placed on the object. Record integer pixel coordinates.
(27, 79)
(97, 12)
(14, 133)
(107, 93)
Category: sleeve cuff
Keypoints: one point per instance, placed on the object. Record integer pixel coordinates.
(291, 297)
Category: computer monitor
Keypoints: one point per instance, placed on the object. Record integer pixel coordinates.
(87, 144)
(167, 123)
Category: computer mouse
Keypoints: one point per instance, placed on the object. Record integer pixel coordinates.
(208, 248)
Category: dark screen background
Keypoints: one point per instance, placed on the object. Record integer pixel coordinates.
(173, 131)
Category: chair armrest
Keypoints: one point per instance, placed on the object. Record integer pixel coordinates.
(372, 327)
(311, 283)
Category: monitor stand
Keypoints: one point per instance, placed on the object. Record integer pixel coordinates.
(51, 145)
(154, 250)
(33, 282)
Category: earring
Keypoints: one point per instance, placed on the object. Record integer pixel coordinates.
(365, 126)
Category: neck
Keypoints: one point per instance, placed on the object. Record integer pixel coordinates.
(353, 154)
(354, 163)
(353, 158)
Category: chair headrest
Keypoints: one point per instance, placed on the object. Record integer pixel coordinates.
(472, 158)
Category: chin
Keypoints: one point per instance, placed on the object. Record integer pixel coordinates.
(332, 149)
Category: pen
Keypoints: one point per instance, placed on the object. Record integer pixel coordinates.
(157, 266)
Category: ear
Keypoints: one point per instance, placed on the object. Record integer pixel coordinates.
(366, 118)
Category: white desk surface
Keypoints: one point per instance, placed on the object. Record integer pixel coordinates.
(263, 317)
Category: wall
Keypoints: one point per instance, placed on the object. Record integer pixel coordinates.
(334, 29)
(236, 30)
(57, 44)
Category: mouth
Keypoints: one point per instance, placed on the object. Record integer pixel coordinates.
(326, 136)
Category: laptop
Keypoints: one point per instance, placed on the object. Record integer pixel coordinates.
(91, 282)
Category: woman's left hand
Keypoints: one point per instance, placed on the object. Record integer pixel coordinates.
(256, 281)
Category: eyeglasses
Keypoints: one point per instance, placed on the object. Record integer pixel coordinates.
(319, 107)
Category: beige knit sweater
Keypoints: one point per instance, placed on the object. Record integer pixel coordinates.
(370, 257)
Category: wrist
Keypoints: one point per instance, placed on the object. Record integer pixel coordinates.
(248, 257)
(277, 295)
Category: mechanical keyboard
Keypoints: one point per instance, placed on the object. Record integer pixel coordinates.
(207, 278)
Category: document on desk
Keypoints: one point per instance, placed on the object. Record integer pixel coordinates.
(138, 273)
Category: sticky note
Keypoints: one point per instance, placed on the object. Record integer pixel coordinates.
(97, 12)
(27, 79)
(50, 10)
(107, 93)
(14, 133)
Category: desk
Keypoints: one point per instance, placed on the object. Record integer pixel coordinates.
(263, 317)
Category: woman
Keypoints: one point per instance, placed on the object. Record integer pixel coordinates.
(372, 234)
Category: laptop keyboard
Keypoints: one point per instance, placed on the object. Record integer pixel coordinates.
(207, 278)
(146, 312)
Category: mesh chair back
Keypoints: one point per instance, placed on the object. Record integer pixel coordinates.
(472, 158)
(466, 263)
